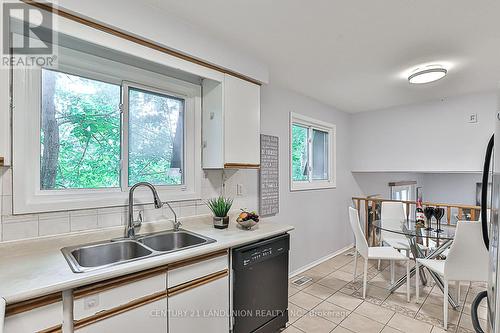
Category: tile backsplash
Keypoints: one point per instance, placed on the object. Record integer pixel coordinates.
(214, 182)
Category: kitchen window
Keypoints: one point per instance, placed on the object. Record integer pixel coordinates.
(95, 128)
(312, 153)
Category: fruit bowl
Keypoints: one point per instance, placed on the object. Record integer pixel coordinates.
(247, 219)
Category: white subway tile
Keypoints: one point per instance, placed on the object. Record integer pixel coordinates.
(53, 224)
(83, 220)
(109, 219)
(6, 204)
(6, 180)
(20, 230)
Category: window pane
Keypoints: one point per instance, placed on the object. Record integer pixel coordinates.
(300, 154)
(80, 132)
(320, 154)
(156, 138)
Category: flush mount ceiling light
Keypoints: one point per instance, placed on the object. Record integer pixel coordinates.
(427, 74)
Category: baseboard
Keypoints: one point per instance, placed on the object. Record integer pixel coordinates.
(320, 260)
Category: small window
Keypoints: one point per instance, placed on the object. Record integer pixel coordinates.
(155, 137)
(312, 149)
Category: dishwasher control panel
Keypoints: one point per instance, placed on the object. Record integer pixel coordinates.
(250, 255)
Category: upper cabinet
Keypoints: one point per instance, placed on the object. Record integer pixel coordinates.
(231, 124)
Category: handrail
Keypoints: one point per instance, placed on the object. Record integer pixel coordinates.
(464, 212)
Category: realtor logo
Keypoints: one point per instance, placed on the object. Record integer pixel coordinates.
(28, 36)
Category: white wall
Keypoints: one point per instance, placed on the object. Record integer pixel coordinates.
(162, 28)
(451, 188)
(377, 183)
(319, 216)
(428, 137)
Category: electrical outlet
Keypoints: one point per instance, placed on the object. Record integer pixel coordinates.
(473, 118)
(239, 189)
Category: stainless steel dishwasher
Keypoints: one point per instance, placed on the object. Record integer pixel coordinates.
(260, 286)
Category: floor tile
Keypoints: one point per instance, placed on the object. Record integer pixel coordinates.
(435, 312)
(340, 329)
(332, 282)
(388, 329)
(305, 300)
(466, 322)
(358, 323)
(319, 291)
(295, 312)
(345, 301)
(374, 292)
(331, 312)
(375, 312)
(314, 324)
(408, 325)
(292, 329)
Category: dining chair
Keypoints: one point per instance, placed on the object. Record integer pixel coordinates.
(376, 253)
(392, 214)
(467, 260)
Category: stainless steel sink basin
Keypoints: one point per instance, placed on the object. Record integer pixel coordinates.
(173, 240)
(84, 258)
(88, 257)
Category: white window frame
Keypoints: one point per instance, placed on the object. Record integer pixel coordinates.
(27, 195)
(311, 123)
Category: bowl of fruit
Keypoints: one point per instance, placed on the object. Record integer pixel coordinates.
(247, 219)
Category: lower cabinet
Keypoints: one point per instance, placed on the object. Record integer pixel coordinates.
(43, 314)
(150, 317)
(201, 305)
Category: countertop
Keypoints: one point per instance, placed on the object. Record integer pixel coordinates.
(33, 268)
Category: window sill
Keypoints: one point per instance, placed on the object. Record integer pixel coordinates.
(295, 187)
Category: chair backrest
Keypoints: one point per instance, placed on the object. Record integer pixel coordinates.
(468, 257)
(393, 210)
(392, 214)
(361, 243)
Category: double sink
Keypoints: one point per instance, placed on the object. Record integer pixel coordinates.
(84, 258)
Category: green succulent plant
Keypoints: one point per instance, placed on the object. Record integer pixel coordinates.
(220, 206)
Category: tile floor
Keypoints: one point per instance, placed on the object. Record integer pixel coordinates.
(332, 302)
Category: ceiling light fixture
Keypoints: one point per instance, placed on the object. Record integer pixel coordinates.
(427, 74)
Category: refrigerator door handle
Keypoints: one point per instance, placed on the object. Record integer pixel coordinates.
(484, 191)
(474, 306)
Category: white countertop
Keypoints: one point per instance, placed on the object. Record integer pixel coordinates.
(34, 268)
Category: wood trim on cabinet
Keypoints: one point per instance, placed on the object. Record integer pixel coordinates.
(119, 310)
(115, 32)
(24, 306)
(55, 329)
(190, 261)
(117, 282)
(196, 283)
(241, 166)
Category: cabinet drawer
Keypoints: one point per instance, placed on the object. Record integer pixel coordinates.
(149, 316)
(110, 294)
(200, 307)
(182, 272)
(43, 314)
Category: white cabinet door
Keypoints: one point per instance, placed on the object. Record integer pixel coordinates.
(35, 320)
(150, 318)
(204, 308)
(241, 122)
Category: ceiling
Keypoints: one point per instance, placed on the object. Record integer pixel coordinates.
(352, 54)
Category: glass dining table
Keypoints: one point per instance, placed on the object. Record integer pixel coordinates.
(427, 244)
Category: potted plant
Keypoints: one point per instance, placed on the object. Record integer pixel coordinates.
(220, 206)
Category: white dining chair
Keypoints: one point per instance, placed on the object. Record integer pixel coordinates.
(376, 253)
(392, 214)
(467, 260)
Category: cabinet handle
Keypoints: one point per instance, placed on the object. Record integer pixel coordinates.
(197, 283)
(119, 309)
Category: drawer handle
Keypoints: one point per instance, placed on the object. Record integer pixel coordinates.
(197, 283)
